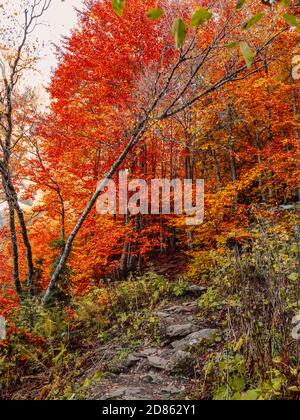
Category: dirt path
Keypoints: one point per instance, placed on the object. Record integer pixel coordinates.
(163, 372)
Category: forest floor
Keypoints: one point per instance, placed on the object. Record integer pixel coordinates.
(144, 353)
(155, 371)
(181, 330)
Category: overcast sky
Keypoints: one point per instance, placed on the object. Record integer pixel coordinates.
(59, 21)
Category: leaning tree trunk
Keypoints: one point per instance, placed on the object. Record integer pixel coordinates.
(176, 106)
(138, 133)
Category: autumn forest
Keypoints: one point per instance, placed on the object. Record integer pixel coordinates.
(120, 305)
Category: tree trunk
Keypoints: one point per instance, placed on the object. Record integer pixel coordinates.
(30, 266)
(15, 251)
(138, 133)
(296, 131)
(14, 243)
(231, 145)
(13, 199)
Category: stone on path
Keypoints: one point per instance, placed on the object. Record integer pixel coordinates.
(152, 378)
(172, 389)
(181, 362)
(193, 339)
(158, 362)
(180, 330)
(132, 360)
(180, 309)
(146, 352)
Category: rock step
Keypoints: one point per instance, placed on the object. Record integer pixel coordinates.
(162, 372)
(137, 387)
(194, 338)
(180, 330)
(173, 357)
(179, 362)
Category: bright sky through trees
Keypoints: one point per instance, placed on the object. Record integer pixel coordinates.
(59, 21)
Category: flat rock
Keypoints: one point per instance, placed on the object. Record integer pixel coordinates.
(172, 389)
(180, 330)
(145, 352)
(179, 309)
(152, 378)
(133, 392)
(125, 392)
(194, 339)
(119, 392)
(181, 362)
(132, 360)
(158, 362)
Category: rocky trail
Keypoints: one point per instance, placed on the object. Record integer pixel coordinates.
(160, 372)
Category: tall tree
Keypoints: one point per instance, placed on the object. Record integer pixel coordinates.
(15, 60)
(181, 77)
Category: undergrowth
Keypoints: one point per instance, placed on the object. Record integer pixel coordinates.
(48, 349)
(253, 296)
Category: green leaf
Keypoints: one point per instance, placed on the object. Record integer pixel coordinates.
(292, 20)
(118, 6)
(255, 19)
(250, 395)
(155, 14)
(179, 31)
(277, 383)
(200, 16)
(237, 384)
(240, 4)
(247, 53)
(232, 44)
(293, 276)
